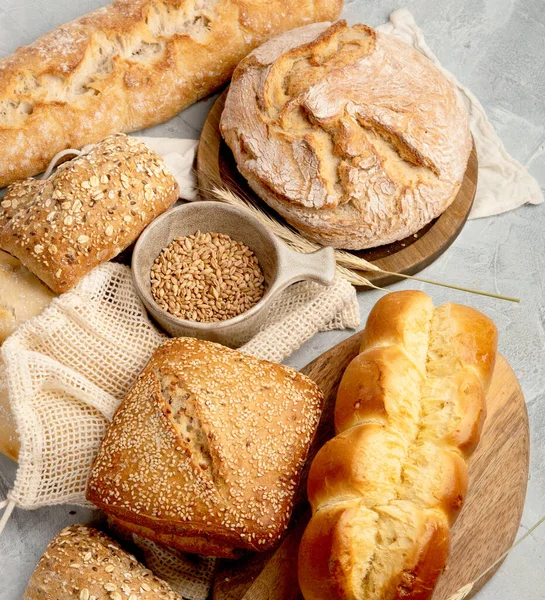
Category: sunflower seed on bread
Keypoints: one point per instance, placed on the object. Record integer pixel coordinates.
(82, 563)
(87, 212)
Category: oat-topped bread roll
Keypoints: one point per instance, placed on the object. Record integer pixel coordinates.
(386, 490)
(87, 212)
(353, 136)
(126, 66)
(82, 563)
(206, 451)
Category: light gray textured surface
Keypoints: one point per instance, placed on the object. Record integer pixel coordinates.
(495, 47)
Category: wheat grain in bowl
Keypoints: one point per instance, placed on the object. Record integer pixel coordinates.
(206, 277)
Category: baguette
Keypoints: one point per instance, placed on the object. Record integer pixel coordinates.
(386, 490)
(82, 563)
(206, 451)
(87, 212)
(129, 65)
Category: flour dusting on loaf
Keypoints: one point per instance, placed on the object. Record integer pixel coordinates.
(353, 136)
(126, 66)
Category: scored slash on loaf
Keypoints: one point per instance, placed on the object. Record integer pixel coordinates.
(127, 66)
(386, 490)
(206, 451)
(351, 135)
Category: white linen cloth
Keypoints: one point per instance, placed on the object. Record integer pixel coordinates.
(503, 183)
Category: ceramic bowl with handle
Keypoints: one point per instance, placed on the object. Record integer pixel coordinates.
(281, 266)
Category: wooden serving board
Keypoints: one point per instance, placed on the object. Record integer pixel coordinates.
(216, 167)
(486, 526)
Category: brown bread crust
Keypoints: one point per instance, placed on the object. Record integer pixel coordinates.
(126, 66)
(88, 211)
(206, 451)
(81, 563)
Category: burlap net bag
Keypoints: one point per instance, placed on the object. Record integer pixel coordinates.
(67, 370)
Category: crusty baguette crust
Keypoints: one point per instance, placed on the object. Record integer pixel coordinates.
(385, 491)
(87, 212)
(129, 65)
(81, 563)
(353, 136)
(206, 451)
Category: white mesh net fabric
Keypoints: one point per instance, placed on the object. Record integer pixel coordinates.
(299, 313)
(68, 369)
(188, 574)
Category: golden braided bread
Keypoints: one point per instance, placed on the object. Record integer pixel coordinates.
(385, 491)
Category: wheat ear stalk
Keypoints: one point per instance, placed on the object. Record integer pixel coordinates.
(288, 235)
(462, 592)
(346, 262)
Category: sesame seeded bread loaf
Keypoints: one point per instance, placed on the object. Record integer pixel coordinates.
(126, 66)
(82, 563)
(386, 490)
(88, 211)
(206, 451)
(350, 134)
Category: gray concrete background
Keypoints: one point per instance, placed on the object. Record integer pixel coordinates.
(497, 48)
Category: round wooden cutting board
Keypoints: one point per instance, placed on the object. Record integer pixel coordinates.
(216, 167)
(485, 529)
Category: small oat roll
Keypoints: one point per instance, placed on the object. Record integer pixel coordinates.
(386, 490)
(82, 563)
(88, 211)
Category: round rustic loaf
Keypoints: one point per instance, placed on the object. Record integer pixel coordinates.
(353, 136)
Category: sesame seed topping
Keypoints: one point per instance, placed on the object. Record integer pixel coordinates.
(216, 441)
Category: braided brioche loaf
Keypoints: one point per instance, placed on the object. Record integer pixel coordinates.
(385, 491)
